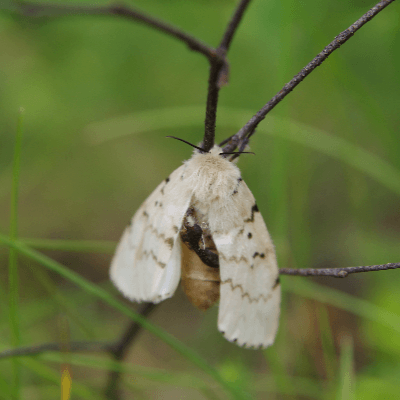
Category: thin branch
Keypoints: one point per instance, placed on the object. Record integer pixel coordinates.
(32, 9)
(219, 72)
(219, 67)
(342, 38)
(211, 106)
(213, 262)
(337, 272)
(120, 349)
(43, 348)
(117, 349)
(233, 24)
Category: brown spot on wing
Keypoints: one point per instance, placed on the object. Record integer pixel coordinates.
(277, 283)
(237, 186)
(254, 209)
(257, 254)
(170, 242)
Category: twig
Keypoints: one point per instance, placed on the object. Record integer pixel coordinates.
(342, 38)
(337, 272)
(219, 75)
(119, 350)
(213, 262)
(233, 24)
(32, 9)
(219, 67)
(72, 346)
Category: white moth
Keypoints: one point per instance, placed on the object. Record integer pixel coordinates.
(202, 224)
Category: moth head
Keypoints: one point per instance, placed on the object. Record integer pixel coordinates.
(216, 150)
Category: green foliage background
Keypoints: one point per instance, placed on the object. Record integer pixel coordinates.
(101, 93)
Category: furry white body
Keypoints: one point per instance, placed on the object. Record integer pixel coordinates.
(147, 262)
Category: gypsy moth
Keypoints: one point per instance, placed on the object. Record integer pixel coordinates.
(202, 224)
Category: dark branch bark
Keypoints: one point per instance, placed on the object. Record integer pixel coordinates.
(233, 25)
(337, 272)
(120, 349)
(218, 77)
(32, 9)
(342, 38)
(72, 346)
(192, 235)
(211, 105)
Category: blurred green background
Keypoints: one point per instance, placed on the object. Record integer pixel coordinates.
(101, 93)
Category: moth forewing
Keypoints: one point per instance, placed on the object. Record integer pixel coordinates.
(147, 263)
(250, 292)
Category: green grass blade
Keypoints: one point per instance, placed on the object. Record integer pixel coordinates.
(12, 264)
(260, 383)
(49, 374)
(301, 287)
(341, 149)
(181, 379)
(63, 302)
(328, 344)
(345, 390)
(5, 389)
(95, 290)
(84, 246)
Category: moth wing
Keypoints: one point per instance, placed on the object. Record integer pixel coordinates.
(250, 291)
(147, 262)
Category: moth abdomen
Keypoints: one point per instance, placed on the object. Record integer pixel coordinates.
(200, 262)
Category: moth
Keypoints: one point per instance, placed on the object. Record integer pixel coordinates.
(202, 226)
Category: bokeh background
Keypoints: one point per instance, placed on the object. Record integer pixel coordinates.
(101, 93)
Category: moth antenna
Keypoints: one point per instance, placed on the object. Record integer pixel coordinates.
(239, 152)
(190, 144)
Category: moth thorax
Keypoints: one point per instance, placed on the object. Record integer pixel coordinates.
(200, 272)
